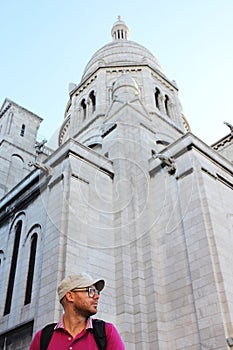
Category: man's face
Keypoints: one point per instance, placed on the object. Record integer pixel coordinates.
(85, 302)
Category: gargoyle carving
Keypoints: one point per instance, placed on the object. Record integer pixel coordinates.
(40, 145)
(42, 167)
(166, 161)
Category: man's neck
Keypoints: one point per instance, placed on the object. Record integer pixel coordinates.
(74, 324)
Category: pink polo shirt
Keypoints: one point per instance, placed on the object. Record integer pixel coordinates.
(62, 340)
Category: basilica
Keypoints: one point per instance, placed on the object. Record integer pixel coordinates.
(130, 195)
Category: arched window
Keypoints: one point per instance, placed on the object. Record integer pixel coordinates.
(1, 257)
(22, 130)
(166, 103)
(16, 170)
(18, 229)
(84, 108)
(157, 94)
(31, 267)
(93, 100)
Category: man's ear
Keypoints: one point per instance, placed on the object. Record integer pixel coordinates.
(69, 296)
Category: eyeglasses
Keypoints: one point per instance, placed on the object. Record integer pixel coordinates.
(91, 291)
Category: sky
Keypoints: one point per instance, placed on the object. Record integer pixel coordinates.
(46, 44)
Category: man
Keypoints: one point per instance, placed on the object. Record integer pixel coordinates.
(79, 296)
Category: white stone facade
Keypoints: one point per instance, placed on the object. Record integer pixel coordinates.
(130, 195)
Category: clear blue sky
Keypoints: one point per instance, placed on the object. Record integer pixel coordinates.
(46, 44)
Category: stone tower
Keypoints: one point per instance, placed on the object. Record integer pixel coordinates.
(130, 195)
(18, 132)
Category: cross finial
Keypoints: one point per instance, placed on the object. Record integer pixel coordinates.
(119, 18)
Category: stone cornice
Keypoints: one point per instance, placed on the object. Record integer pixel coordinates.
(190, 142)
(222, 142)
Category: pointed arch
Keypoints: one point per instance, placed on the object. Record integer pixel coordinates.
(84, 108)
(18, 216)
(16, 170)
(32, 238)
(14, 259)
(166, 104)
(2, 257)
(157, 97)
(17, 156)
(93, 100)
(31, 268)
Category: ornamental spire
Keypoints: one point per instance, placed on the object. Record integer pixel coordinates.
(120, 31)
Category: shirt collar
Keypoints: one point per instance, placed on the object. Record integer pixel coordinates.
(60, 324)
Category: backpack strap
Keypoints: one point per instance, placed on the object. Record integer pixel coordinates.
(99, 333)
(46, 335)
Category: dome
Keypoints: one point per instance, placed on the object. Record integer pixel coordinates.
(121, 52)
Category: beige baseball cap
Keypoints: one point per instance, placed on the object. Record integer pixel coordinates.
(81, 280)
